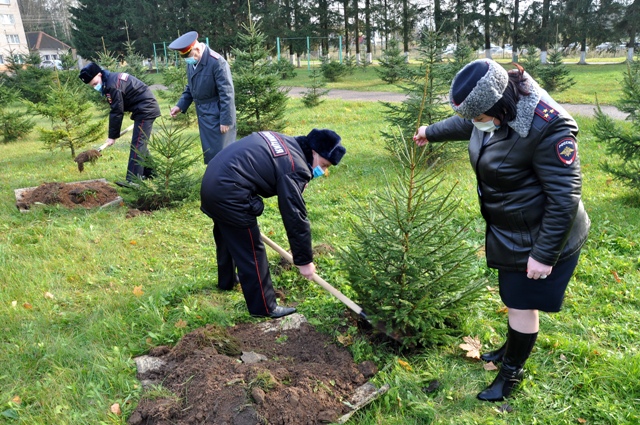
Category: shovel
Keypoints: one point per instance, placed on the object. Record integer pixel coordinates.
(320, 281)
(92, 154)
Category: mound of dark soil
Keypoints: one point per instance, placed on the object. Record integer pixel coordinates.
(87, 194)
(263, 374)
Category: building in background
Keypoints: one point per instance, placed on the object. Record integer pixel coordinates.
(13, 41)
(50, 48)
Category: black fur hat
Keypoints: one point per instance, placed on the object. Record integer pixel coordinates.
(327, 144)
(89, 71)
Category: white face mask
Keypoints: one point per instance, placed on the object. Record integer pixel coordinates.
(486, 126)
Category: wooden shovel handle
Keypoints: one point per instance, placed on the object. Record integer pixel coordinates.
(317, 279)
(122, 133)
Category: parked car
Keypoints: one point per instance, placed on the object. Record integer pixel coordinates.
(51, 64)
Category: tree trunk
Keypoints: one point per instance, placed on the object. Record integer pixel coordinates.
(544, 30)
(516, 29)
(345, 4)
(367, 29)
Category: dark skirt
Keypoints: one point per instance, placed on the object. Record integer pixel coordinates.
(519, 292)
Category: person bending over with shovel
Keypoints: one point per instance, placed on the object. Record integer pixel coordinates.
(125, 93)
(262, 165)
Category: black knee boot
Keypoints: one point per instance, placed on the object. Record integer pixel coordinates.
(518, 348)
(496, 355)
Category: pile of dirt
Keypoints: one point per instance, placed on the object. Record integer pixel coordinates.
(266, 373)
(87, 194)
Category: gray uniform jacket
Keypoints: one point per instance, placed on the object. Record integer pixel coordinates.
(210, 87)
(529, 183)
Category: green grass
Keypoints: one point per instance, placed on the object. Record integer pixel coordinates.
(601, 79)
(66, 360)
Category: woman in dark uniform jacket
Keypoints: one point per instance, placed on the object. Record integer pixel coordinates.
(523, 149)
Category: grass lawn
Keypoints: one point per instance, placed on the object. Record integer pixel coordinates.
(601, 79)
(83, 292)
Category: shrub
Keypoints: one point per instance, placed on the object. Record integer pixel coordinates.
(284, 68)
(332, 70)
(311, 96)
(393, 66)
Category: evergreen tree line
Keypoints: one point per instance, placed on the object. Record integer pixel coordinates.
(92, 26)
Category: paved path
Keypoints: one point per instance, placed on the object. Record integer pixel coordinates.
(584, 110)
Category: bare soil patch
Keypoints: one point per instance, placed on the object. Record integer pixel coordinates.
(265, 373)
(85, 194)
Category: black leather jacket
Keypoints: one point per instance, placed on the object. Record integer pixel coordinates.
(529, 186)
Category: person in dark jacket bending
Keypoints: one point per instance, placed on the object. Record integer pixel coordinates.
(262, 165)
(125, 93)
(523, 149)
(210, 87)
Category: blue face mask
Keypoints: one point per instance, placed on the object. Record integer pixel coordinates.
(98, 87)
(190, 61)
(318, 172)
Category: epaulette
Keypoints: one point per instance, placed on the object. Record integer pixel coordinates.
(546, 112)
(214, 54)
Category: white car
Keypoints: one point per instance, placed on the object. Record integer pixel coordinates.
(51, 64)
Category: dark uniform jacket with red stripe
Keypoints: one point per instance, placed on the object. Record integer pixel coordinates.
(261, 165)
(529, 182)
(125, 93)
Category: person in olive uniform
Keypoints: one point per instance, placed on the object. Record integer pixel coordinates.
(524, 151)
(125, 93)
(263, 165)
(210, 87)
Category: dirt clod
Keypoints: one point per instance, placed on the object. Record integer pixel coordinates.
(303, 381)
(88, 194)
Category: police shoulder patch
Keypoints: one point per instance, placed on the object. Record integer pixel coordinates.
(277, 147)
(124, 76)
(546, 112)
(567, 150)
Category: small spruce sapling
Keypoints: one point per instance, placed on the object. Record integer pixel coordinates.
(311, 96)
(70, 115)
(172, 157)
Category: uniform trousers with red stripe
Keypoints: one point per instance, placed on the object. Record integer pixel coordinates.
(141, 133)
(242, 249)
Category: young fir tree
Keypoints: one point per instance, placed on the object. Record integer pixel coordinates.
(623, 142)
(393, 66)
(172, 157)
(332, 70)
(555, 75)
(410, 264)
(70, 114)
(311, 96)
(426, 88)
(15, 124)
(260, 102)
(531, 62)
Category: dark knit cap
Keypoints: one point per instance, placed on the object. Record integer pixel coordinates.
(477, 87)
(89, 71)
(327, 144)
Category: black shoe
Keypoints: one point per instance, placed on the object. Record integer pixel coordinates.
(128, 185)
(281, 312)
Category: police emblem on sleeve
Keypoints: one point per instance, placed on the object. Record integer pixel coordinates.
(567, 150)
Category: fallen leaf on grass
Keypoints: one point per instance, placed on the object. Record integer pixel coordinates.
(406, 366)
(472, 346)
(137, 291)
(48, 295)
(181, 324)
(582, 421)
(490, 366)
(503, 309)
(133, 243)
(14, 304)
(345, 340)
(115, 409)
(28, 306)
(615, 276)
(16, 399)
